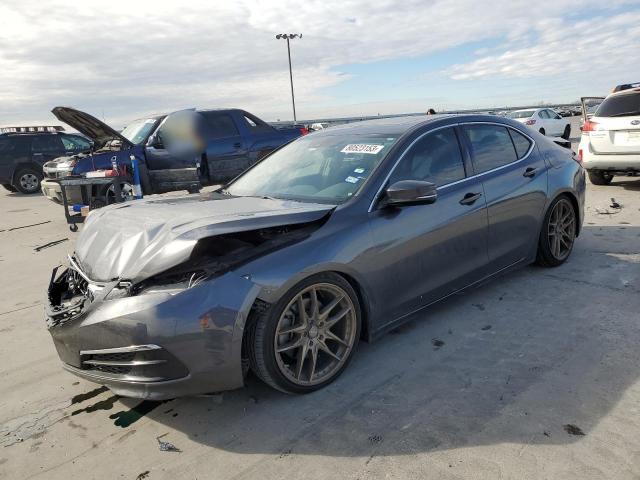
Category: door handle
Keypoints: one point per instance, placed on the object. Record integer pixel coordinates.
(530, 172)
(237, 145)
(470, 198)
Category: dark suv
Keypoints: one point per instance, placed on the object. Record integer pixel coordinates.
(23, 151)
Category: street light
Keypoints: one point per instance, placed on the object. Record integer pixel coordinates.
(287, 37)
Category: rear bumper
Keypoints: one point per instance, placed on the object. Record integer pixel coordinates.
(158, 346)
(617, 163)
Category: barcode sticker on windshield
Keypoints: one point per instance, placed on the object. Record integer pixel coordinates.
(362, 148)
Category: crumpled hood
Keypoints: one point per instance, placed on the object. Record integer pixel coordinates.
(138, 239)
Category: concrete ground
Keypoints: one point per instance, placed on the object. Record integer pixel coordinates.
(536, 377)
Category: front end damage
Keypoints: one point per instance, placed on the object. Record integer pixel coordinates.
(175, 333)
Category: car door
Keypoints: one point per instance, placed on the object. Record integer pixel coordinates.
(426, 252)
(514, 177)
(557, 123)
(226, 150)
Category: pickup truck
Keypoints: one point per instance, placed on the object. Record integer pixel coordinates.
(231, 141)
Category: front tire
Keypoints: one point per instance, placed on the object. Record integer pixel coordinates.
(567, 132)
(558, 233)
(27, 180)
(598, 177)
(304, 341)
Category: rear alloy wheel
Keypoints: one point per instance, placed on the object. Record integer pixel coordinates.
(27, 180)
(9, 187)
(598, 177)
(541, 131)
(567, 132)
(305, 340)
(558, 233)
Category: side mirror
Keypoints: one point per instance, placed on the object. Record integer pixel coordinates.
(155, 141)
(406, 192)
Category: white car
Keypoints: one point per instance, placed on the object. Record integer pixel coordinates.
(544, 120)
(610, 141)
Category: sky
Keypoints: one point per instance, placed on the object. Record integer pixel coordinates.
(123, 60)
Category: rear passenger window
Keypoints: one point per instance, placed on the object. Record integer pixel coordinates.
(47, 144)
(491, 146)
(256, 125)
(221, 124)
(435, 158)
(521, 143)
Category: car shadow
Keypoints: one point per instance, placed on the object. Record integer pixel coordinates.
(537, 356)
(628, 183)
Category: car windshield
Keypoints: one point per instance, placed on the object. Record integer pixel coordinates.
(315, 168)
(139, 130)
(521, 114)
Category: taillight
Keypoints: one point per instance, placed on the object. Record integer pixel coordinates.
(530, 122)
(304, 130)
(578, 157)
(589, 126)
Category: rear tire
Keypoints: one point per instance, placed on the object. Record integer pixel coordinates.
(541, 131)
(567, 132)
(27, 180)
(598, 177)
(301, 353)
(558, 233)
(9, 187)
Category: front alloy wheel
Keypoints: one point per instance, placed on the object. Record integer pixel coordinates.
(305, 341)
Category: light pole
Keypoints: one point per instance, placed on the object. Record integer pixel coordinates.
(287, 37)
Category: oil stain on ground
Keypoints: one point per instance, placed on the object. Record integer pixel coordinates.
(125, 418)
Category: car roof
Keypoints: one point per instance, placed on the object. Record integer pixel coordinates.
(390, 126)
(628, 91)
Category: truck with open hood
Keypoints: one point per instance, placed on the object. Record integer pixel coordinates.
(179, 151)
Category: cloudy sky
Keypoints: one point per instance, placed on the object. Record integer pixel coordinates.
(121, 60)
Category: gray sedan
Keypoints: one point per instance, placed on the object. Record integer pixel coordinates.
(338, 236)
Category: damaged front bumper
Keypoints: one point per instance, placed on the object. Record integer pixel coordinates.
(153, 345)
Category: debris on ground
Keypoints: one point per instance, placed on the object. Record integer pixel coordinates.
(166, 446)
(27, 226)
(572, 429)
(437, 342)
(143, 475)
(50, 244)
(486, 327)
(614, 205)
(546, 434)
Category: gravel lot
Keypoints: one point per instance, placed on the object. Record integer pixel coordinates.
(536, 377)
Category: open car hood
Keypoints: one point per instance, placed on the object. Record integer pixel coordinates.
(138, 239)
(89, 126)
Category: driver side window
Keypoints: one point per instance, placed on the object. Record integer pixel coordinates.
(435, 158)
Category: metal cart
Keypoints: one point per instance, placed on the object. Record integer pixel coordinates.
(92, 193)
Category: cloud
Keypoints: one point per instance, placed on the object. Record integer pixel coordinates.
(595, 47)
(128, 59)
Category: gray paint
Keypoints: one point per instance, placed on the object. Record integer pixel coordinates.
(401, 260)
